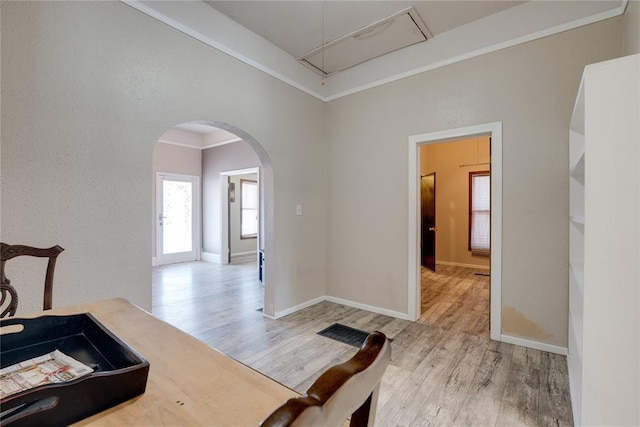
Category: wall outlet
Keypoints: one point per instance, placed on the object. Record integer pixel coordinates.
(298, 209)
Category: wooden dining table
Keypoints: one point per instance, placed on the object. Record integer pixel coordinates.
(189, 383)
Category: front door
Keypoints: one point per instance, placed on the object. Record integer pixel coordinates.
(428, 214)
(176, 199)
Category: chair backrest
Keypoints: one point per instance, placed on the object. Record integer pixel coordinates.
(8, 294)
(346, 390)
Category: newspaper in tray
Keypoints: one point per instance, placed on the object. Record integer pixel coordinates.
(54, 367)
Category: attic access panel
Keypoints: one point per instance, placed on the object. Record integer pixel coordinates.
(397, 31)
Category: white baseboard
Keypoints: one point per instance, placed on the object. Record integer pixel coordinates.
(534, 344)
(244, 253)
(404, 316)
(209, 257)
(458, 264)
(154, 261)
(279, 314)
(372, 308)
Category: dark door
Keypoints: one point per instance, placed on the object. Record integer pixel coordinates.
(428, 214)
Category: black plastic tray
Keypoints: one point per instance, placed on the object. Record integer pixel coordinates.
(119, 372)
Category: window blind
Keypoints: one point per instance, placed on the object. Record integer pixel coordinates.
(249, 209)
(480, 213)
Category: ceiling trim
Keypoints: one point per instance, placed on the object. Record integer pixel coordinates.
(202, 147)
(390, 67)
(225, 142)
(529, 21)
(180, 144)
(215, 29)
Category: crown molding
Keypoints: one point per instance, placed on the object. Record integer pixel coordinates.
(529, 21)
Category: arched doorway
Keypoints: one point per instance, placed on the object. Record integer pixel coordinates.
(207, 137)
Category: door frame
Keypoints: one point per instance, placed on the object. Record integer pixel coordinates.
(225, 254)
(197, 241)
(494, 130)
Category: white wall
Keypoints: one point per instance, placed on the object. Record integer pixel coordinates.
(169, 158)
(631, 28)
(87, 90)
(531, 88)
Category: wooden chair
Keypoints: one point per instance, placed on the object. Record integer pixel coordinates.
(346, 390)
(8, 294)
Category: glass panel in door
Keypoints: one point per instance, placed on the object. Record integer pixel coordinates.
(176, 219)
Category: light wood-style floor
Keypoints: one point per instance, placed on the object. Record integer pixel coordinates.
(445, 370)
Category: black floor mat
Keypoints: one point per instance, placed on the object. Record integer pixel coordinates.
(345, 334)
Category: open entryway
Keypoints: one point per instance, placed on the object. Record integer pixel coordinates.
(240, 214)
(177, 222)
(455, 226)
(199, 166)
(455, 231)
(464, 265)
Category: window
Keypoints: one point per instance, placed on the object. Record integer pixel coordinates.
(248, 209)
(480, 213)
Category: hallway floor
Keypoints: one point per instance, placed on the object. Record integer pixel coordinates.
(444, 370)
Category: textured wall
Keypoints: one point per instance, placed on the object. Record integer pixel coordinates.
(87, 90)
(531, 88)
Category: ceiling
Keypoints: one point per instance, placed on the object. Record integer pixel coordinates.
(277, 37)
(298, 27)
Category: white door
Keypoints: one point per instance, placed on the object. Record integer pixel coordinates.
(176, 218)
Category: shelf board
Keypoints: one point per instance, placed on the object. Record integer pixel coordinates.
(577, 169)
(575, 339)
(576, 149)
(577, 271)
(577, 118)
(577, 219)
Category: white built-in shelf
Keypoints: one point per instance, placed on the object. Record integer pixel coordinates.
(576, 249)
(603, 275)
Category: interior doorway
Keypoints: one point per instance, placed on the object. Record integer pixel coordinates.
(240, 213)
(494, 131)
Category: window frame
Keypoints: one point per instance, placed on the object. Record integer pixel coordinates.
(242, 183)
(478, 252)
